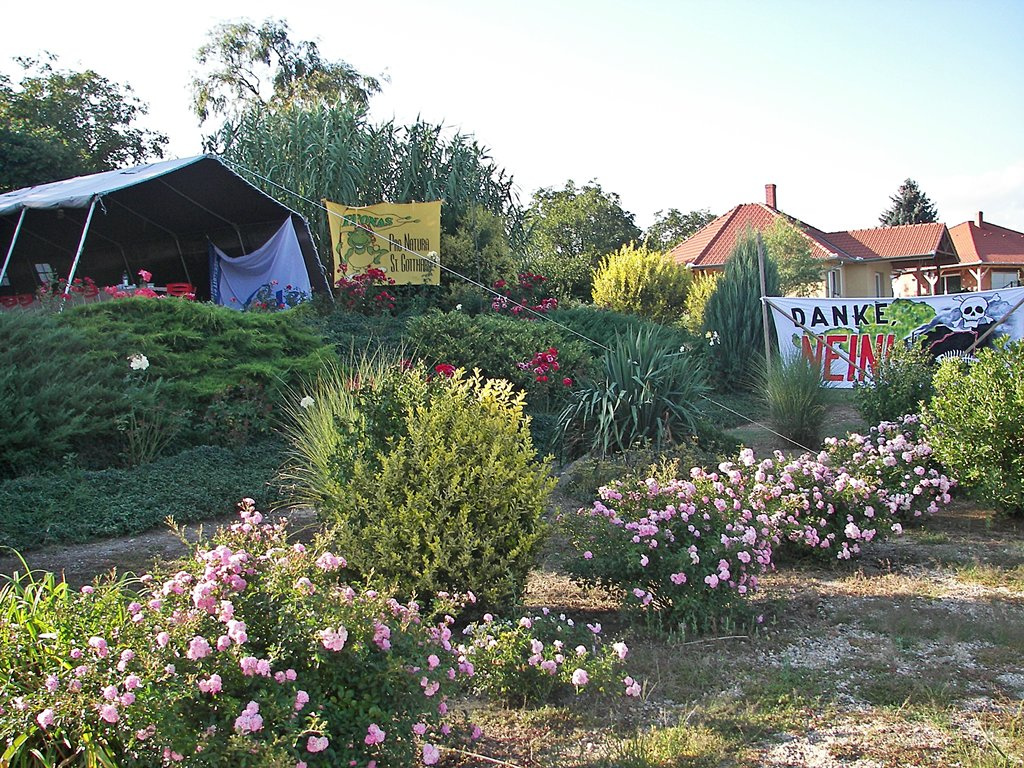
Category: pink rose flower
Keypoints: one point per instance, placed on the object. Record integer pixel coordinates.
(317, 743)
(374, 735)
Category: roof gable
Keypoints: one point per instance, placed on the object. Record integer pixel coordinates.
(987, 243)
(711, 245)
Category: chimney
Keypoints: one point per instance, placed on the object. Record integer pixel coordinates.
(769, 195)
(981, 219)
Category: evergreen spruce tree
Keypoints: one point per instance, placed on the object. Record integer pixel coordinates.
(732, 319)
(909, 206)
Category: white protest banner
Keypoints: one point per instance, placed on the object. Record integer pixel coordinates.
(846, 336)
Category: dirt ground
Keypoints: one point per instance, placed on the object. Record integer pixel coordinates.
(81, 563)
(911, 656)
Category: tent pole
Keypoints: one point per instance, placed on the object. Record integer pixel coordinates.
(10, 251)
(177, 242)
(78, 253)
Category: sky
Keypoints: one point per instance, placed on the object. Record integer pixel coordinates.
(689, 104)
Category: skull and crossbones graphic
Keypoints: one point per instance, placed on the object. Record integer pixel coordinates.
(974, 311)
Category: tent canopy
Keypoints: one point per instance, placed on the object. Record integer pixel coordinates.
(160, 217)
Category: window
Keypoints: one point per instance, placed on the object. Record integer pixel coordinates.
(952, 284)
(878, 284)
(45, 273)
(1004, 279)
(834, 284)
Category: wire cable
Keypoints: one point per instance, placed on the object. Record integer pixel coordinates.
(436, 262)
(488, 289)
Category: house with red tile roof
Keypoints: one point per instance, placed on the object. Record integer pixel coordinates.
(990, 257)
(861, 262)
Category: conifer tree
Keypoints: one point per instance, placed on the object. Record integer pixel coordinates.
(733, 324)
(909, 206)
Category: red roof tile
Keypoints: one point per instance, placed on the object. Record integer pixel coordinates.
(987, 244)
(890, 242)
(711, 245)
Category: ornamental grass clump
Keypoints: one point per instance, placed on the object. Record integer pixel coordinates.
(538, 659)
(643, 391)
(254, 652)
(796, 399)
(684, 550)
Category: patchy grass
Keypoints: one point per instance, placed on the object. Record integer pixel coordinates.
(1011, 579)
(912, 656)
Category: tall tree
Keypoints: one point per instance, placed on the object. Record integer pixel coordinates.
(672, 227)
(571, 229)
(246, 66)
(909, 206)
(800, 274)
(60, 123)
(732, 316)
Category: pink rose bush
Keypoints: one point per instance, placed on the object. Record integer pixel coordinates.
(678, 548)
(538, 658)
(688, 549)
(898, 462)
(228, 664)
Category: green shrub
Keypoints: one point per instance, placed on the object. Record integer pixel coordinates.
(795, 397)
(643, 391)
(211, 375)
(59, 394)
(974, 424)
(248, 653)
(202, 351)
(478, 250)
(345, 415)
(701, 288)
(898, 384)
(733, 315)
(642, 282)
(451, 499)
(76, 505)
(569, 276)
(602, 325)
(495, 345)
(349, 331)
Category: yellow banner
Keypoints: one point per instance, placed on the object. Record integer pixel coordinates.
(403, 239)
